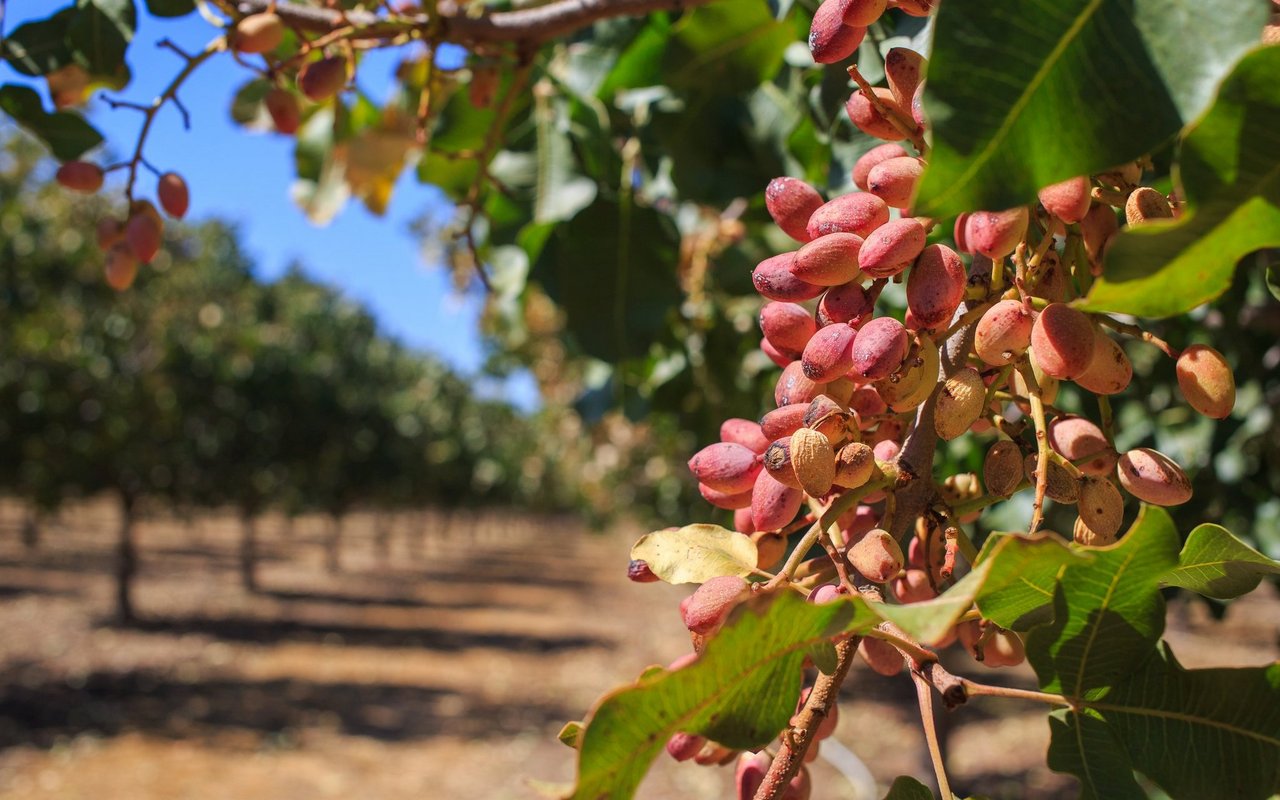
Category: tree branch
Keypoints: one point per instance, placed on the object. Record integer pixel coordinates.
(797, 739)
(915, 461)
(454, 24)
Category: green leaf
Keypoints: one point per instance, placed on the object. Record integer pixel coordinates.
(1196, 733)
(640, 63)
(100, 33)
(907, 788)
(1008, 582)
(39, 47)
(1216, 564)
(460, 125)
(1273, 279)
(733, 163)
(824, 656)
(1024, 94)
(560, 191)
(1020, 594)
(570, 734)
(1231, 713)
(66, 133)
(170, 8)
(696, 553)
(740, 692)
(247, 107)
(453, 176)
(725, 47)
(1229, 169)
(612, 268)
(321, 190)
(1083, 745)
(1107, 613)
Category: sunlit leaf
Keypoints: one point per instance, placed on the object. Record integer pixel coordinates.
(1165, 721)
(1024, 93)
(1108, 613)
(1215, 563)
(1229, 168)
(740, 692)
(696, 553)
(1006, 583)
(570, 734)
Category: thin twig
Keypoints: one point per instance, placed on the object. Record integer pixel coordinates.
(423, 132)
(483, 159)
(973, 689)
(967, 318)
(888, 632)
(828, 517)
(170, 94)
(925, 698)
(1135, 331)
(907, 127)
(836, 554)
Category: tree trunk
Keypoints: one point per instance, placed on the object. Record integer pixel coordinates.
(382, 535)
(126, 561)
(248, 551)
(31, 530)
(332, 554)
(421, 529)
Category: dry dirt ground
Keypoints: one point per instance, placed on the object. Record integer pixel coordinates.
(442, 668)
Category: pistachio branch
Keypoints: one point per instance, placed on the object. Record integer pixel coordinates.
(797, 739)
(454, 22)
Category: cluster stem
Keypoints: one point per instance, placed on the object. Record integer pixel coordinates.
(1138, 333)
(1042, 447)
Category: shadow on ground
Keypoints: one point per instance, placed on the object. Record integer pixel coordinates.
(274, 631)
(113, 703)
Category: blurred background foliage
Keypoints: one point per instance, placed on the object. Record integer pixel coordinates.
(207, 387)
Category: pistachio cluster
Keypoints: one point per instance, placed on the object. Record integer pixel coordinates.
(991, 330)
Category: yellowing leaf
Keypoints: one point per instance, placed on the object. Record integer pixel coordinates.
(696, 553)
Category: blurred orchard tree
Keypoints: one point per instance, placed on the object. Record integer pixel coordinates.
(205, 387)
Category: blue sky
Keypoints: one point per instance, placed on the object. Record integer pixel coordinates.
(245, 177)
